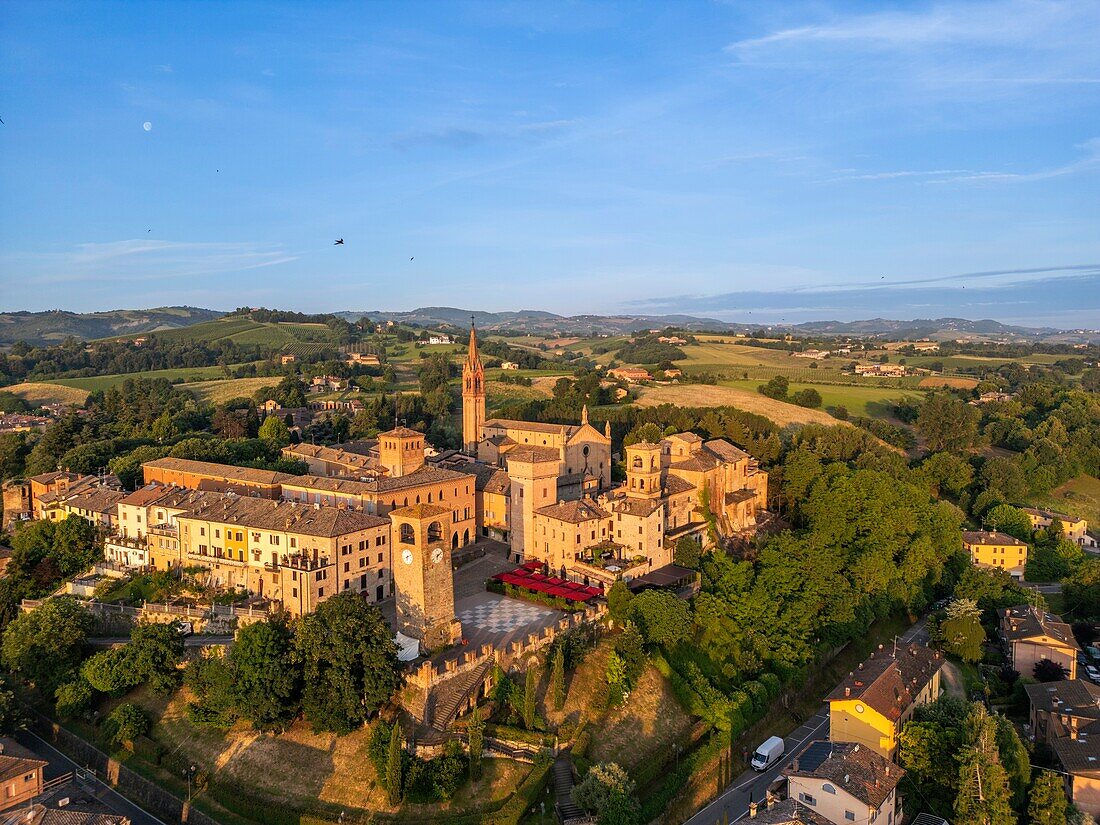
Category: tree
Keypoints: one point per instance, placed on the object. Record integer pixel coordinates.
(529, 686)
(962, 631)
(1082, 590)
(1048, 799)
(1048, 670)
(274, 429)
(608, 791)
(776, 388)
(73, 698)
(11, 717)
(211, 680)
(948, 423)
(127, 722)
(557, 679)
(110, 672)
(47, 644)
(687, 552)
(155, 652)
(619, 600)
(267, 682)
(1015, 759)
(1008, 519)
(394, 764)
(648, 432)
(944, 473)
(475, 733)
(349, 663)
(808, 397)
(984, 797)
(662, 618)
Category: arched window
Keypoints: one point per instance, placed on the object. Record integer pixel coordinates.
(637, 462)
(435, 532)
(407, 534)
(454, 540)
(827, 788)
(465, 537)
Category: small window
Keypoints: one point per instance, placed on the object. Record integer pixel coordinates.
(850, 816)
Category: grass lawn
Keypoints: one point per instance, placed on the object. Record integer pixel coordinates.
(102, 382)
(218, 391)
(1077, 497)
(860, 401)
(37, 393)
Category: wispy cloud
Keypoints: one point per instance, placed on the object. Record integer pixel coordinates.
(164, 68)
(145, 260)
(460, 137)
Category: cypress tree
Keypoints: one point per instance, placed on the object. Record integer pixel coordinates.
(984, 797)
(1048, 800)
(529, 697)
(394, 765)
(476, 733)
(557, 679)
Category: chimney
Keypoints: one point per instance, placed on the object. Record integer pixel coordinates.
(769, 799)
(752, 810)
(847, 778)
(847, 691)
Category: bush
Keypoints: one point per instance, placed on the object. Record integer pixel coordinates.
(73, 698)
(125, 723)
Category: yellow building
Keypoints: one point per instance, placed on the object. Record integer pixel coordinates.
(1033, 635)
(1073, 528)
(876, 699)
(292, 554)
(998, 551)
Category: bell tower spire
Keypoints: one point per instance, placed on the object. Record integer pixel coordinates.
(473, 396)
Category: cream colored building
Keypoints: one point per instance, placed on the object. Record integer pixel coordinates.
(293, 554)
(997, 551)
(846, 782)
(1032, 635)
(1073, 528)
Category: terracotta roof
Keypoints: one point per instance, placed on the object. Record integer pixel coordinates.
(644, 445)
(67, 816)
(499, 440)
(212, 470)
(98, 500)
(1050, 514)
(334, 455)
(12, 765)
(420, 511)
(348, 486)
(889, 684)
(856, 769)
(787, 812)
(402, 432)
(46, 478)
(574, 512)
(1072, 697)
(675, 484)
(488, 478)
(724, 450)
(284, 516)
(1024, 622)
(144, 496)
(417, 478)
(689, 437)
(987, 537)
(530, 426)
(1080, 755)
(699, 462)
(636, 506)
(527, 452)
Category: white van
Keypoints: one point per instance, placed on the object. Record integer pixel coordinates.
(767, 754)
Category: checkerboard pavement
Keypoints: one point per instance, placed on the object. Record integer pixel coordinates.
(503, 616)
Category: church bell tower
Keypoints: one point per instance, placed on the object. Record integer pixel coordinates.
(473, 396)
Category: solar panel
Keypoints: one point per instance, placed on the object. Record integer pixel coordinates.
(813, 756)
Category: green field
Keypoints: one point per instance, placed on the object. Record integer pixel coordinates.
(1077, 497)
(873, 402)
(186, 374)
(246, 331)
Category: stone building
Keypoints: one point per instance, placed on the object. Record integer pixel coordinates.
(422, 575)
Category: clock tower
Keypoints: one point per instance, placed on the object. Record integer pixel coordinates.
(422, 575)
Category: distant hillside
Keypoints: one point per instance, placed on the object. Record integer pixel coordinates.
(544, 323)
(537, 321)
(55, 326)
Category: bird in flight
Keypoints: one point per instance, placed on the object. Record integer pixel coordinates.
(338, 243)
(411, 259)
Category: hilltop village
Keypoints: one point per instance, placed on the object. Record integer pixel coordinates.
(622, 615)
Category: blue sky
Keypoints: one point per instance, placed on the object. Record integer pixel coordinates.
(749, 161)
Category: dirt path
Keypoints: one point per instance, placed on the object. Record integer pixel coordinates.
(952, 680)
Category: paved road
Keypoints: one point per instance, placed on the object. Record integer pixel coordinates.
(751, 786)
(1056, 587)
(61, 764)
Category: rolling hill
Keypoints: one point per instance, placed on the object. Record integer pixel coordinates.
(55, 326)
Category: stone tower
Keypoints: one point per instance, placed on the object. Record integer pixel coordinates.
(422, 576)
(643, 470)
(533, 473)
(401, 451)
(473, 396)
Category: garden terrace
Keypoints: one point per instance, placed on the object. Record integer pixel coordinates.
(528, 579)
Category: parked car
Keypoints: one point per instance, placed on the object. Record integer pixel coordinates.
(767, 754)
(1093, 673)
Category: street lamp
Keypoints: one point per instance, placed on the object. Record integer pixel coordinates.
(190, 771)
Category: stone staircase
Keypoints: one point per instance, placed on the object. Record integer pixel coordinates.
(447, 698)
(563, 791)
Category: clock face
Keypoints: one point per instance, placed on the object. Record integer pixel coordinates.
(407, 557)
(859, 708)
(437, 555)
